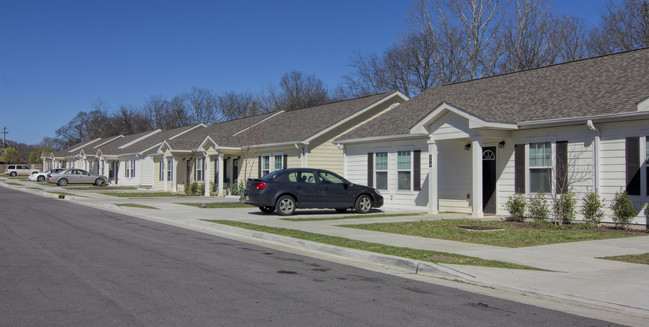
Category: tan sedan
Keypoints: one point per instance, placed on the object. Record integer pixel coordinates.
(76, 176)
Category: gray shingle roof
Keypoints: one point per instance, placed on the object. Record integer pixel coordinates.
(220, 132)
(113, 148)
(598, 86)
(301, 124)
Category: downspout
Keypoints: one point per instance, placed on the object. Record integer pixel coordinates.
(301, 155)
(592, 128)
(342, 148)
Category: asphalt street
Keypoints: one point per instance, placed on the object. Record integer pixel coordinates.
(63, 264)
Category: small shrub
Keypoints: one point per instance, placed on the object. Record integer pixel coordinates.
(237, 189)
(515, 205)
(193, 188)
(187, 190)
(623, 210)
(201, 189)
(564, 207)
(538, 207)
(592, 209)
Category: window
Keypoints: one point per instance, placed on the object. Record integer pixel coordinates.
(540, 165)
(198, 169)
(130, 168)
(327, 178)
(265, 165)
(404, 167)
(381, 170)
(301, 176)
(279, 162)
(161, 175)
(169, 169)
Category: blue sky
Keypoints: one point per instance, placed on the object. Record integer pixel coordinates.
(59, 57)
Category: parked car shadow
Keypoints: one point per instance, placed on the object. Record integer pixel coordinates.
(313, 212)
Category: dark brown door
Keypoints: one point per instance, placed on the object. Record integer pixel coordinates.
(489, 180)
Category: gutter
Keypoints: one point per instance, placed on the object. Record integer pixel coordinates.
(383, 138)
(592, 128)
(581, 120)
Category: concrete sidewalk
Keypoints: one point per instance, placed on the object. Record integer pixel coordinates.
(573, 273)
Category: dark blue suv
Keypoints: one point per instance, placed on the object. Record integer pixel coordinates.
(287, 189)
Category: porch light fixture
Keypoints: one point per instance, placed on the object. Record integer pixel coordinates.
(467, 146)
(501, 144)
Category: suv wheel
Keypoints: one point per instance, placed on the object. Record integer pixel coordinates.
(12, 174)
(285, 205)
(363, 204)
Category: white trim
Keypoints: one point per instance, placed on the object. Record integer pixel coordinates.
(358, 113)
(139, 139)
(384, 138)
(257, 123)
(474, 121)
(644, 105)
(582, 120)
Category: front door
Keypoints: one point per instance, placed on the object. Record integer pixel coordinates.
(489, 180)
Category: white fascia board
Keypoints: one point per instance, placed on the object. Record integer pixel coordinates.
(108, 141)
(84, 144)
(643, 106)
(140, 139)
(414, 136)
(186, 131)
(582, 120)
(270, 145)
(387, 98)
(160, 147)
(207, 139)
(420, 126)
(257, 123)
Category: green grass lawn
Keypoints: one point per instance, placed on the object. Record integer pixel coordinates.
(141, 194)
(214, 205)
(513, 235)
(379, 215)
(422, 255)
(632, 258)
(14, 183)
(135, 205)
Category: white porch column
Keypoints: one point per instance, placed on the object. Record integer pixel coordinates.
(220, 167)
(165, 168)
(476, 196)
(207, 176)
(174, 174)
(433, 201)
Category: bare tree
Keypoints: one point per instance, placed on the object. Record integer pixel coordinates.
(297, 91)
(529, 37)
(201, 107)
(624, 26)
(234, 105)
(176, 114)
(367, 77)
(156, 107)
(129, 121)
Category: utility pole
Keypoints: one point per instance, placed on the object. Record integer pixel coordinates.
(4, 137)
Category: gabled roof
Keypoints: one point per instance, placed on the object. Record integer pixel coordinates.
(121, 146)
(303, 124)
(156, 139)
(221, 132)
(606, 85)
(75, 149)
